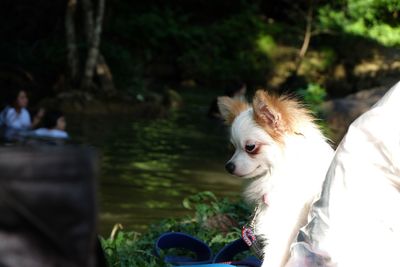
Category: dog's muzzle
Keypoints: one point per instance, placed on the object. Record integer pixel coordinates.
(230, 167)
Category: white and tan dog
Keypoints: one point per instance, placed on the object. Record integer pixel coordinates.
(284, 156)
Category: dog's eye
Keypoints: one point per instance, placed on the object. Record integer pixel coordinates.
(250, 148)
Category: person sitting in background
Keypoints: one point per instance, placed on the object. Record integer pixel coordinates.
(54, 125)
(15, 117)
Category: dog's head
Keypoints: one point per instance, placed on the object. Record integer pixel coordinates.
(258, 131)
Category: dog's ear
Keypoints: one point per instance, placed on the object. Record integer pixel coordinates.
(230, 108)
(268, 111)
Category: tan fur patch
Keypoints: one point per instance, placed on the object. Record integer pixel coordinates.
(279, 114)
(230, 108)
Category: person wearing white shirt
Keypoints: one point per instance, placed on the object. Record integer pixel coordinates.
(54, 125)
(15, 118)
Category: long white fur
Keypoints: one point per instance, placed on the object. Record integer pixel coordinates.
(290, 175)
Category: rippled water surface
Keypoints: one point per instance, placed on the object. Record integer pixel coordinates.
(149, 166)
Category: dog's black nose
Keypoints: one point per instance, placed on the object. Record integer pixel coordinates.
(230, 167)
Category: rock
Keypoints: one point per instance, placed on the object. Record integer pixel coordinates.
(172, 99)
(340, 113)
(153, 97)
(83, 103)
(188, 83)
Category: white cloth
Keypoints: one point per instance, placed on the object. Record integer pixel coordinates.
(356, 221)
(17, 121)
(51, 133)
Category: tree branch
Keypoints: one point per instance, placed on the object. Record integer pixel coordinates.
(72, 56)
(307, 35)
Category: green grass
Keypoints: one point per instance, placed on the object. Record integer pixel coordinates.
(125, 249)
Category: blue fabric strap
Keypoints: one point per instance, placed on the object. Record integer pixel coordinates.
(227, 253)
(184, 241)
(203, 253)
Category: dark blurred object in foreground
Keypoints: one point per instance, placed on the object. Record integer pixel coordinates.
(48, 206)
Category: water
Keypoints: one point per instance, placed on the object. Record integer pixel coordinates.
(149, 166)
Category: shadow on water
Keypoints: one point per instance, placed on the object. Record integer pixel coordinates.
(149, 167)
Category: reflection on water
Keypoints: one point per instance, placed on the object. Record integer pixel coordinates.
(148, 167)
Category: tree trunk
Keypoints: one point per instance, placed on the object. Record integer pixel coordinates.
(87, 8)
(93, 43)
(104, 75)
(72, 57)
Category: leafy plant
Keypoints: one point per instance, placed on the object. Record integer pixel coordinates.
(125, 249)
(313, 95)
(375, 19)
